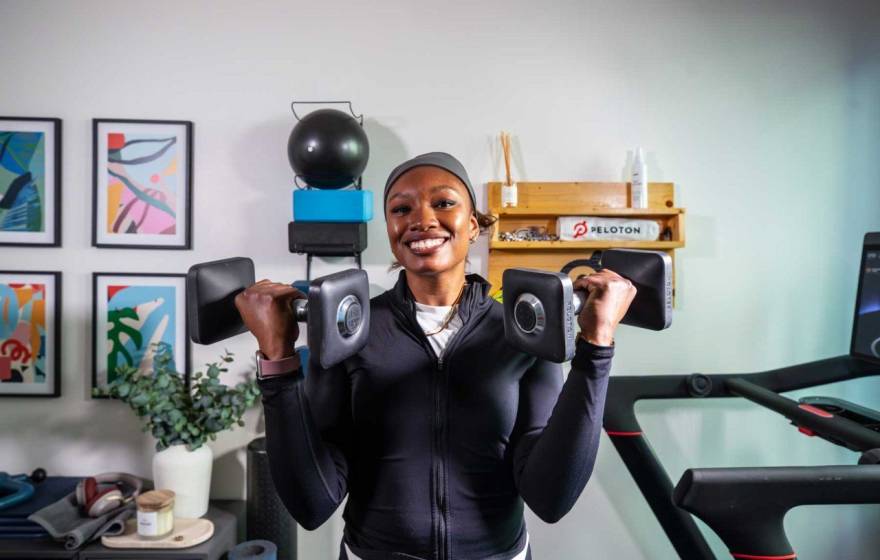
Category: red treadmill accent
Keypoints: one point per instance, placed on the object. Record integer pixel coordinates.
(816, 411)
(791, 556)
(622, 434)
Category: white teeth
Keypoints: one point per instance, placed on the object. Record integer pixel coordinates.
(422, 244)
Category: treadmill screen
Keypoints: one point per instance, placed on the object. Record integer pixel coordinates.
(866, 329)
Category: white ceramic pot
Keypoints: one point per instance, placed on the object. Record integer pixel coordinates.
(188, 474)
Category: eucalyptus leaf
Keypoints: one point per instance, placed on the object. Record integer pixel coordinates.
(177, 413)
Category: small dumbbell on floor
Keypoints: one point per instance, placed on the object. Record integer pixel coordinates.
(336, 311)
(540, 307)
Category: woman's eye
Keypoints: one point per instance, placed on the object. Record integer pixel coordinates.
(445, 203)
(400, 210)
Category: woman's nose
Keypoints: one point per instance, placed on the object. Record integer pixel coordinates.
(423, 217)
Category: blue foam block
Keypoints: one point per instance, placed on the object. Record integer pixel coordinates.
(316, 205)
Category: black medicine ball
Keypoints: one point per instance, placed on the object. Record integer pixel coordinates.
(328, 149)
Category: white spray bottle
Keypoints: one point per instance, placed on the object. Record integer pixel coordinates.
(639, 181)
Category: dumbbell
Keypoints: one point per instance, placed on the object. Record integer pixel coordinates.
(540, 307)
(337, 310)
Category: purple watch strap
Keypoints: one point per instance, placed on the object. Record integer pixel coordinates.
(271, 368)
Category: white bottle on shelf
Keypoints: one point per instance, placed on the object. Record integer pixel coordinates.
(508, 195)
(639, 181)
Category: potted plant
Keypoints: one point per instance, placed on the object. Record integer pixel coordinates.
(183, 418)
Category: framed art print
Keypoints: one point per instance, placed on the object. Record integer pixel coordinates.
(30, 334)
(132, 313)
(142, 184)
(30, 181)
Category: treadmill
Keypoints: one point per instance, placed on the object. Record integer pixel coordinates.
(746, 506)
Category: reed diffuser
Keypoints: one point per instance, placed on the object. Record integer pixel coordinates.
(508, 188)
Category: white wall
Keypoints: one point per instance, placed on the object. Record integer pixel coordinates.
(763, 112)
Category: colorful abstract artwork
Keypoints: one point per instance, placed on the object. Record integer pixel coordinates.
(133, 314)
(29, 334)
(30, 154)
(142, 184)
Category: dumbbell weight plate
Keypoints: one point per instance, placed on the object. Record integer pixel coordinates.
(349, 316)
(651, 274)
(537, 297)
(339, 316)
(528, 312)
(211, 288)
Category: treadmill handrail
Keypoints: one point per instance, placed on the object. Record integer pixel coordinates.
(624, 391)
(854, 435)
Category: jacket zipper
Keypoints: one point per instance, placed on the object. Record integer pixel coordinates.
(437, 462)
(441, 497)
(440, 462)
(438, 476)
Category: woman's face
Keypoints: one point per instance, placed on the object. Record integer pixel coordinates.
(430, 220)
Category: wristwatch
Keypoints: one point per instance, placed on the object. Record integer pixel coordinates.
(267, 368)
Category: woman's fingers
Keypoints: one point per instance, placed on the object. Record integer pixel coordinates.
(266, 310)
(269, 289)
(609, 297)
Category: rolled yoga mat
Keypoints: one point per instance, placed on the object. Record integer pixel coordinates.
(254, 550)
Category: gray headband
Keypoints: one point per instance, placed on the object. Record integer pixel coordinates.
(433, 159)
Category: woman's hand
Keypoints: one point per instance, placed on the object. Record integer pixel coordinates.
(609, 297)
(266, 309)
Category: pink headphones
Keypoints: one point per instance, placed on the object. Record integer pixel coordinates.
(102, 493)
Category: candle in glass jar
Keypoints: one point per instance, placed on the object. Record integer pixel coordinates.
(155, 517)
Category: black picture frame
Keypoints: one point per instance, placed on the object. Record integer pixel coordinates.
(52, 313)
(51, 173)
(100, 379)
(101, 143)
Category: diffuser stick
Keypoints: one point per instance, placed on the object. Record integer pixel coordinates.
(508, 189)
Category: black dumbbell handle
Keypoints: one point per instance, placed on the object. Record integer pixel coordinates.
(578, 299)
(300, 308)
(348, 314)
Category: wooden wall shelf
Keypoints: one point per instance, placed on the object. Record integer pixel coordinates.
(608, 212)
(541, 203)
(567, 245)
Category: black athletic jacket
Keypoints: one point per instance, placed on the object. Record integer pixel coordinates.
(436, 456)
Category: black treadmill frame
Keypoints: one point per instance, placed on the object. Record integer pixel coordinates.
(653, 481)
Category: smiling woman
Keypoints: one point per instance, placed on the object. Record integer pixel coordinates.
(438, 431)
(431, 217)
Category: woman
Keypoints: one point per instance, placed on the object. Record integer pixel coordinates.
(437, 431)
